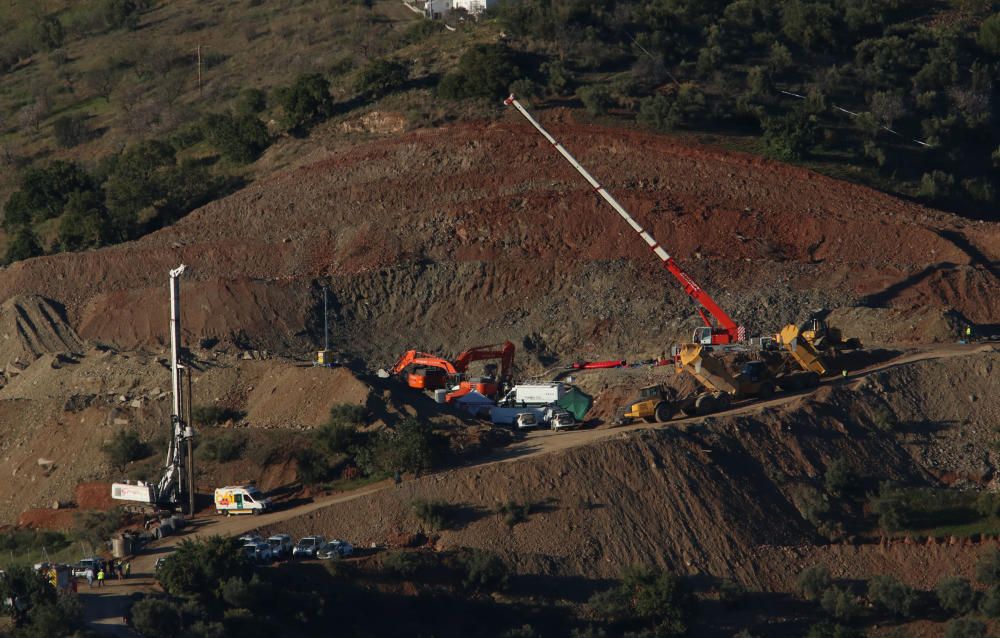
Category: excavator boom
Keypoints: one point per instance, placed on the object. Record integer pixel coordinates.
(422, 359)
(503, 351)
(727, 330)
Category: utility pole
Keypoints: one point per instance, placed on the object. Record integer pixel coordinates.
(326, 322)
(199, 70)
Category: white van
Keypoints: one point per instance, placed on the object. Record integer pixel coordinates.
(240, 499)
(528, 394)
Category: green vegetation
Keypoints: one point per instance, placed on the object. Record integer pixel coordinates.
(239, 138)
(124, 448)
(214, 414)
(965, 628)
(895, 597)
(221, 448)
(514, 513)
(483, 571)
(43, 612)
(647, 598)
(96, 527)
(437, 515)
(407, 564)
(305, 102)
(955, 594)
(28, 546)
(933, 512)
(485, 70)
(988, 567)
(411, 446)
(311, 466)
(813, 581)
(382, 77)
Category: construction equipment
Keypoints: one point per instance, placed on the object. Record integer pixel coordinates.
(756, 379)
(431, 374)
(655, 404)
(726, 331)
(177, 479)
(813, 343)
(435, 372)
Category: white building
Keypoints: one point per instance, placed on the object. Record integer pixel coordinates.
(435, 9)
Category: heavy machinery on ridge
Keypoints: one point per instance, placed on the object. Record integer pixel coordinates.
(433, 372)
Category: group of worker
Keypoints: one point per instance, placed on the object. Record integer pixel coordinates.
(117, 568)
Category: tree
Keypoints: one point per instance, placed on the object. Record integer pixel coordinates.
(990, 603)
(596, 98)
(119, 14)
(989, 34)
(840, 478)
(251, 101)
(85, 222)
(24, 245)
(965, 628)
(70, 130)
(311, 466)
(382, 77)
(485, 70)
(49, 32)
(809, 24)
(649, 596)
(199, 566)
(484, 571)
(892, 595)
(839, 603)
(306, 101)
(156, 618)
(125, 447)
(792, 136)
(813, 581)
(136, 180)
(27, 587)
(988, 567)
(955, 595)
(412, 446)
(240, 138)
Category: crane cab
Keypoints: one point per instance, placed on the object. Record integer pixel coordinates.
(708, 336)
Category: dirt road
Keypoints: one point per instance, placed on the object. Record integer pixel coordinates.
(104, 608)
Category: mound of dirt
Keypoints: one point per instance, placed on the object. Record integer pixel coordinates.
(436, 239)
(31, 326)
(302, 396)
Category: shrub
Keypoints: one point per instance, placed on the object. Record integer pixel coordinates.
(965, 628)
(936, 185)
(410, 447)
(791, 136)
(23, 246)
(420, 31)
(665, 113)
(988, 567)
(989, 605)
(44, 191)
(48, 33)
(312, 466)
(251, 101)
(120, 14)
(198, 567)
(892, 595)
(596, 98)
(214, 414)
(85, 222)
(485, 70)
(156, 618)
(95, 527)
(811, 504)
(240, 138)
(813, 581)
(988, 504)
(955, 595)
(351, 413)
(224, 448)
(731, 593)
(406, 564)
(891, 507)
(247, 594)
(989, 34)
(840, 478)
(435, 514)
(839, 603)
(514, 513)
(884, 420)
(832, 630)
(650, 595)
(337, 438)
(70, 130)
(124, 448)
(382, 77)
(306, 101)
(484, 571)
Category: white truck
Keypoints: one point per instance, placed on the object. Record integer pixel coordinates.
(240, 499)
(534, 394)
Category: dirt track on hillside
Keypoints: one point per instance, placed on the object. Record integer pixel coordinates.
(380, 509)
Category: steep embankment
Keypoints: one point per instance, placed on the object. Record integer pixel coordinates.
(723, 497)
(477, 232)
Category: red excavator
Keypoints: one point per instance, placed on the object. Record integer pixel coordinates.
(433, 372)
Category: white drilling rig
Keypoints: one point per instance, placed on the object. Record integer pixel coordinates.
(177, 480)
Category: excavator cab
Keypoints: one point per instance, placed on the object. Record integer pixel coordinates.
(427, 378)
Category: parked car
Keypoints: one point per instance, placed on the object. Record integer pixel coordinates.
(250, 538)
(563, 421)
(308, 546)
(80, 569)
(281, 545)
(335, 549)
(160, 562)
(258, 552)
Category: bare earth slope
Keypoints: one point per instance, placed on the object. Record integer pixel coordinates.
(476, 232)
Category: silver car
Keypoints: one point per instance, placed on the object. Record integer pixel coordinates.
(308, 546)
(335, 549)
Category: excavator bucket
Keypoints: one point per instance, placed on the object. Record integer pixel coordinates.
(804, 352)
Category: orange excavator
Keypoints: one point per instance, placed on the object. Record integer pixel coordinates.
(433, 372)
(490, 384)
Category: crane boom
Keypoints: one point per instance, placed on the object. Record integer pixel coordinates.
(728, 331)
